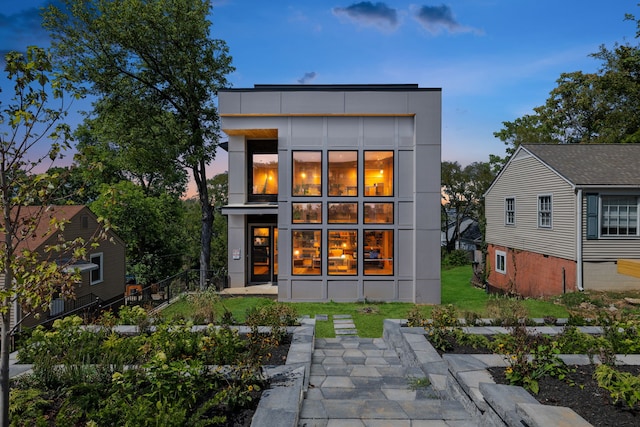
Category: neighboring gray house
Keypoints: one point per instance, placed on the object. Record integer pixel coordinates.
(334, 190)
(565, 217)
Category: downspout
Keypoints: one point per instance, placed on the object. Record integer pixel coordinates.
(579, 242)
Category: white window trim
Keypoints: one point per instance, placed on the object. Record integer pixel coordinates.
(601, 213)
(502, 254)
(550, 196)
(506, 212)
(101, 268)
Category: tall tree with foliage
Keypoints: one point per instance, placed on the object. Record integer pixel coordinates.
(586, 108)
(152, 227)
(32, 137)
(155, 71)
(463, 191)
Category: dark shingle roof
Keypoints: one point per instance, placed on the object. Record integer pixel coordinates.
(592, 164)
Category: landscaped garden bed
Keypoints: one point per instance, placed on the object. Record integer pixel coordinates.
(169, 374)
(601, 390)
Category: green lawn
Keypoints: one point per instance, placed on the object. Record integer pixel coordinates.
(368, 316)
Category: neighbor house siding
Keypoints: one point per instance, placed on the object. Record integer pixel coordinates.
(525, 178)
(600, 255)
(606, 248)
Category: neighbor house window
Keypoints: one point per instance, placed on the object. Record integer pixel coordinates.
(96, 273)
(306, 252)
(342, 253)
(377, 252)
(263, 171)
(619, 216)
(544, 211)
(510, 211)
(343, 173)
(306, 213)
(501, 262)
(378, 173)
(307, 173)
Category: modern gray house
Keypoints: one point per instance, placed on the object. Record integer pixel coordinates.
(564, 217)
(334, 190)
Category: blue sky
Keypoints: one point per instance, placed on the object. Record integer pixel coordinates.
(494, 59)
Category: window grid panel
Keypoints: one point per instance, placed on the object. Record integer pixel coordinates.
(619, 216)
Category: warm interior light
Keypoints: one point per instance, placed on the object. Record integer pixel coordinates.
(303, 175)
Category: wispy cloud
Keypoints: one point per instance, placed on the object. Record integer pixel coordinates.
(19, 30)
(435, 19)
(307, 78)
(370, 14)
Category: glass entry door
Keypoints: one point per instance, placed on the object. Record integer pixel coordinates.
(263, 263)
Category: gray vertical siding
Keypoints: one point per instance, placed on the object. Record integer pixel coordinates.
(339, 120)
(524, 178)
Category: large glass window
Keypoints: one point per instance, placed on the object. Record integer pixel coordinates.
(619, 216)
(378, 173)
(343, 173)
(306, 213)
(307, 173)
(378, 213)
(263, 175)
(342, 213)
(306, 252)
(377, 253)
(341, 251)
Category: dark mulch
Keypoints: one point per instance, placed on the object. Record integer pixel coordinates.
(585, 397)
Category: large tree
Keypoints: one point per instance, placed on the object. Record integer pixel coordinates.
(32, 137)
(155, 71)
(152, 227)
(463, 191)
(599, 107)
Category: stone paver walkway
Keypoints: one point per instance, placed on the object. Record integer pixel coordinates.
(361, 382)
(343, 325)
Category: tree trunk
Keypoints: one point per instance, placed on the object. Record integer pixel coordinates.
(4, 364)
(5, 328)
(200, 177)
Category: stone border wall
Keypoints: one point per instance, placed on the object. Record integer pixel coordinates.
(467, 380)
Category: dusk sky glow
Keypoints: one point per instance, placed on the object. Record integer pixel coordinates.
(494, 59)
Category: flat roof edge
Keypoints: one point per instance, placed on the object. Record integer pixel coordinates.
(333, 88)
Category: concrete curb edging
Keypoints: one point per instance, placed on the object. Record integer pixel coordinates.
(467, 380)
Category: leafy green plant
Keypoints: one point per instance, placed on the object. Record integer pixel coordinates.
(205, 306)
(134, 315)
(622, 333)
(530, 357)
(622, 386)
(507, 311)
(28, 407)
(441, 328)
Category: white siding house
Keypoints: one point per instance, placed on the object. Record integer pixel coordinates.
(561, 217)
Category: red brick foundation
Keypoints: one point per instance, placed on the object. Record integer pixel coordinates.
(531, 274)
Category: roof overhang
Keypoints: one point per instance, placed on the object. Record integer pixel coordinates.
(253, 133)
(252, 209)
(81, 266)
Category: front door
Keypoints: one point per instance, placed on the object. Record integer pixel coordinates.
(263, 263)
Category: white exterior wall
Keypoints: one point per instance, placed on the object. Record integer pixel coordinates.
(525, 178)
(408, 122)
